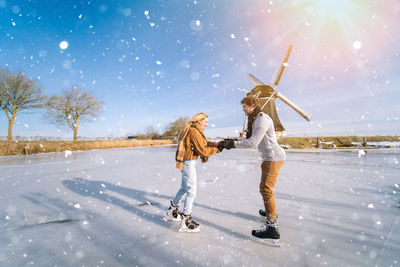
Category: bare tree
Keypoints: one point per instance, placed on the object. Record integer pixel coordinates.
(72, 107)
(18, 93)
(174, 128)
(151, 133)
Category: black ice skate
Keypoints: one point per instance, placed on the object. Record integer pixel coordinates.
(188, 224)
(262, 214)
(173, 214)
(268, 234)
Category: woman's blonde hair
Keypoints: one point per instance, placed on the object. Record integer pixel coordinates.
(196, 118)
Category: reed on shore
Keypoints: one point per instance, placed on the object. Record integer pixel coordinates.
(8, 148)
(333, 141)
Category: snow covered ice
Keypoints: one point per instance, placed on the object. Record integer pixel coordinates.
(335, 209)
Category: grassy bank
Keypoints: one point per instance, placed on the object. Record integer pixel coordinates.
(8, 148)
(334, 141)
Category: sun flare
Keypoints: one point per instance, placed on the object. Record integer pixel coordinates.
(332, 7)
(338, 10)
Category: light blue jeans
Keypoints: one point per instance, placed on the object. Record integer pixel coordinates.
(188, 186)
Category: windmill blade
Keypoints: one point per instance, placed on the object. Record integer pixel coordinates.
(306, 115)
(254, 80)
(283, 66)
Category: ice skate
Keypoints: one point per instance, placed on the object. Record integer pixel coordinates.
(173, 214)
(268, 234)
(262, 214)
(188, 224)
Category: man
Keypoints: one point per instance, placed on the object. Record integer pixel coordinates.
(261, 134)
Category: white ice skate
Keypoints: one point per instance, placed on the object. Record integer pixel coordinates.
(173, 214)
(189, 225)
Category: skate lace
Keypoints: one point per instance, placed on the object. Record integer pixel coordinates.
(263, 228)
(175, 212)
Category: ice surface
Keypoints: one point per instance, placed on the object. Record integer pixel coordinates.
(335, 209)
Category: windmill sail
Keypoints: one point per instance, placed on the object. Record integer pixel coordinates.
(306, 115)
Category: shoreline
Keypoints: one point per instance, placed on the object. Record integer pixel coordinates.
(290, 144)
(14, 148)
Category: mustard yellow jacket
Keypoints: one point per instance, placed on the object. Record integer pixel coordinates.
(197, 145)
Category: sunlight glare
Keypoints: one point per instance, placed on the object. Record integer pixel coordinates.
(333, 7)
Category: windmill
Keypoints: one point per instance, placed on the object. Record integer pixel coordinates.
(267, 94)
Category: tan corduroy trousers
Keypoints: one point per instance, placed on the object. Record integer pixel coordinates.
(269, 175)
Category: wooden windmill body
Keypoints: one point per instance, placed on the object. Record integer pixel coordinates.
(267, 94)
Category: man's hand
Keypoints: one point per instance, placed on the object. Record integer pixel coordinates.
(220, 146)
(227, 144)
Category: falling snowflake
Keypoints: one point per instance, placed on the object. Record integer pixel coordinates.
(63, 45)
(146, 13)
(357, 45)
(67, 153)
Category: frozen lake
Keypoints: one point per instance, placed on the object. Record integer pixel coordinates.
(91, 208)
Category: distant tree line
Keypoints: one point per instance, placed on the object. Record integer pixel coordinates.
(71, 107)
(171, 132)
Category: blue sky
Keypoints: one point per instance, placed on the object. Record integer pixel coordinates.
(152, 62)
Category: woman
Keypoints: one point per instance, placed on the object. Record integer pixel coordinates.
(192, 143)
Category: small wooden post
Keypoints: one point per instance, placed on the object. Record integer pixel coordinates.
(318, 142)
(364, 141)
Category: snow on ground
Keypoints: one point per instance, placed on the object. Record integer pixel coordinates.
(105, 208)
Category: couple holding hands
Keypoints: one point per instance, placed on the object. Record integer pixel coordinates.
(193, 143)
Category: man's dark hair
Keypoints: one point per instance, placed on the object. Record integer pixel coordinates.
(250, 100)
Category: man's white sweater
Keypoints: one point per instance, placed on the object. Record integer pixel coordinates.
(264, 138)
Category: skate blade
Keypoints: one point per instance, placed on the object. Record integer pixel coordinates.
(168, 219)
(189, 230)
(266, 241)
